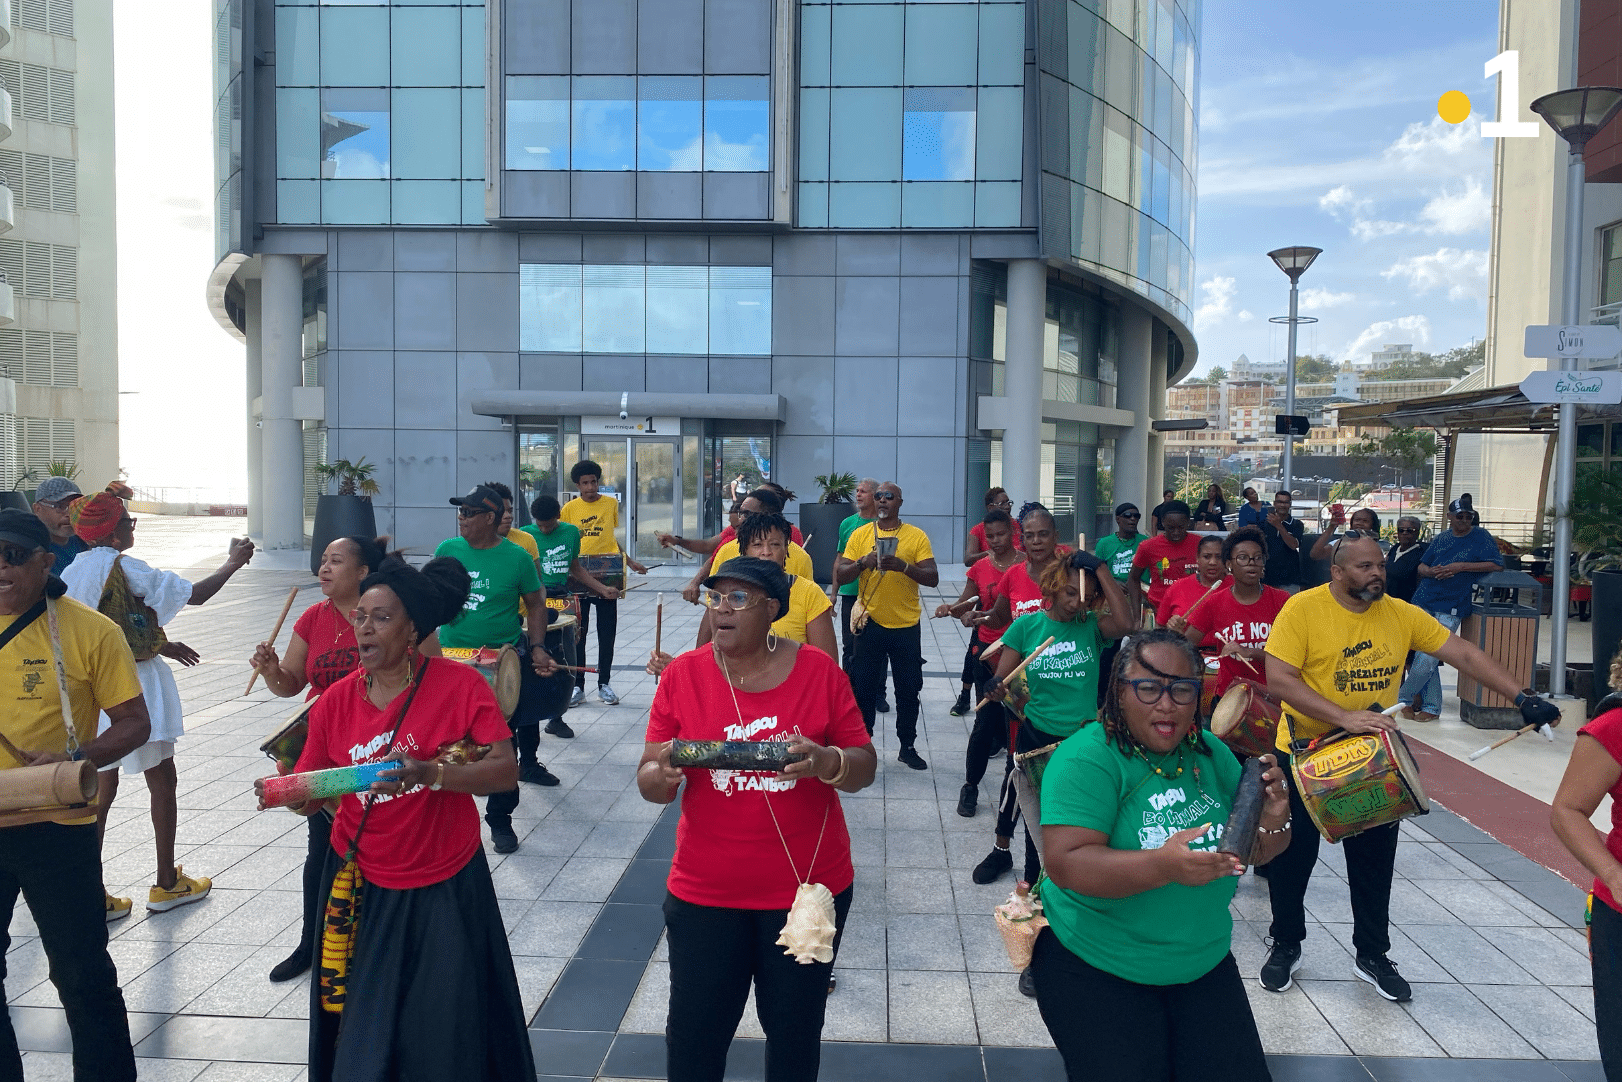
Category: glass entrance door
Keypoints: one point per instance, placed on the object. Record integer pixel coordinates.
(644, 475)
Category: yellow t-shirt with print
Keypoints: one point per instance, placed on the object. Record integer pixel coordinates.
(799, 561)
(806, 602)
(890, 596)
(598, 521)
(1353, 659)
(527, 543)
(100, 673)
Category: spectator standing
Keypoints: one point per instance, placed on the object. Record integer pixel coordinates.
(1283, 532)
(51, 502)
(1402, 561)
(1157, 517)
(1452, 565)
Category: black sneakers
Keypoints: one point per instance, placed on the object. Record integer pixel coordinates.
(559, 728)
(960, 707)
(910, 756)
(967, 798)
(1381, 972)
(883, 705)
(536, 774)
(502, 838)
(1282, 962)
(1027, 983)
(992, 868)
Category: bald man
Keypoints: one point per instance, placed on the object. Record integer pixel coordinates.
(889, 560)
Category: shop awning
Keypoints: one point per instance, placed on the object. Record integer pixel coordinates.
(1492, 409)
(544, 403)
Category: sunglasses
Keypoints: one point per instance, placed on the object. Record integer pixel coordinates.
(473, 512)
(1149, 692)
(1130, 514)
(736, 600)
(887, 496)
(1407, 529)
(16, 555)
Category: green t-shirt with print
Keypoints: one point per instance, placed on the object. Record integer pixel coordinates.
(558, 550)
(1172, 934)
(501, 574)
(846, 528)
(1117, 552)
(1064, 680)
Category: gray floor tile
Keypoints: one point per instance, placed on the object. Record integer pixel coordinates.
(1004, 1017)
(1454, 1019)
(931, 1008)
(1550, 1024)
(1289, 1022)
(1369, 1025)
(1469, 957)
(924, 941)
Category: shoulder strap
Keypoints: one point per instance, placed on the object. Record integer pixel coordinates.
(20, 624)
(74, 751)
(411, 693)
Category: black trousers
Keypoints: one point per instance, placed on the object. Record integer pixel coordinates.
(608, 619)
(901, 649)
(847, 641)
(315, 858)
(1605, 945)
(1371, 858)
(1112, 1030)
(57, 869)
(499, 807)
(989, 734)
(715, 954)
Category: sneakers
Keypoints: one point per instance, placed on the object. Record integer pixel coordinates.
(291, 966)
(1027, 983)
(883, 705)
(560, 728)
(536, 774)
(606, 696)
(577, 696)
(960, 707)
(1425, 715)
(185, 891)
(1381, 972)
(997, 863)
(502, 838)
(910, 756)
(1278, 971)
(967, 797)
(117, 908)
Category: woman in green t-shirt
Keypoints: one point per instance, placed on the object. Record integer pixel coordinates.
(1137, 895)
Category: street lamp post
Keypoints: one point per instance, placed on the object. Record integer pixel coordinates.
(1293, 262)
(1576, 115)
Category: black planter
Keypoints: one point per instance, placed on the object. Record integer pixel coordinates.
(18, 500)
(339, 516)
(1606, 627)
(819, 522)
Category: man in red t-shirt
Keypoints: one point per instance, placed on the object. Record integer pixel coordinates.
(1167, 556)
(1240, 618)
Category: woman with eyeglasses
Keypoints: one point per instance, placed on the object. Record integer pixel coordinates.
(1134, 974)
(1019, 591)
(1365, 520)
(977, 548)
(748, 840)
(1236, 621)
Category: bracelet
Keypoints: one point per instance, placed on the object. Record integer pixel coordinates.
(1285, 829)
(839, 775)
(439, 777)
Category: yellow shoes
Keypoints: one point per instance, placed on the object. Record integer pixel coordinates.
(185, 891)
(117, 908)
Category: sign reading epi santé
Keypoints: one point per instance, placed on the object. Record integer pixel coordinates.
(1591, 388)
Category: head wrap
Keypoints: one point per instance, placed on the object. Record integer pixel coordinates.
(431, 597)
(121, 490)
(95, 517)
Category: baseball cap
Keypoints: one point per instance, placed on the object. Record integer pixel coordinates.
(55, 488)
(757, 572)
(23, 528)
(481, 498)
(1461, 506)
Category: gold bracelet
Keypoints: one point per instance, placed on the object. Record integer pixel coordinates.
(839, 775)
(439, 777)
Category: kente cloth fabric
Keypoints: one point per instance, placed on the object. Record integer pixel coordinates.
(95, 517)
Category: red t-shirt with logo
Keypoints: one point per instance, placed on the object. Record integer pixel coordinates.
(1607, 729)
(1224, 619)
(1183, 595)
(728, 852)
(978, 532)
(333, 653)
(1024, 593)
(420, 837)
(984, 574)
(1166, 561)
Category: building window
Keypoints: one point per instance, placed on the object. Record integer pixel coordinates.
(42, 182)
(36, 269)
(618, 123)
(40, 93)
(45, 16)
(614, 308)
(1610, 267)
(40, 358)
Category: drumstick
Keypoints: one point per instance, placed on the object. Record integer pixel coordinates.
(1081, 546)
(658, 621)
(1474, 755)
(1248, 664)
(277, 630)
(1003, 683)
(996, 644)
(575, 668)
(1203, 596)
(964, 604)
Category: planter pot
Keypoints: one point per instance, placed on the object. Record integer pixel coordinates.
(1605, 629)
(18, 500)
(339, 516)
(819, 522)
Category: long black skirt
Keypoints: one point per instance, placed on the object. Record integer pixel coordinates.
(432, 991)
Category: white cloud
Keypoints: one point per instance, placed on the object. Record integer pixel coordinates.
(1342, 200)
(1245, 316)
(1466, 211)
(1219, 293)
(1463, 272)
(1416, 329)
(1314, 300)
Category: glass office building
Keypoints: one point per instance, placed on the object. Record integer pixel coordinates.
(947, 243)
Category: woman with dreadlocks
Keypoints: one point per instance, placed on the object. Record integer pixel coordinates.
(1137, 895)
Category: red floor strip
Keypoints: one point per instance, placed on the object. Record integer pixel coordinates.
(1503, 811)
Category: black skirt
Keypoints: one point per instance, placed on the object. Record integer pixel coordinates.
(432, 991)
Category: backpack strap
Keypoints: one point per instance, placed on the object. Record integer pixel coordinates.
(20, 624)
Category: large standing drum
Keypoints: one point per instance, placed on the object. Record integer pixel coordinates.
(552, 692)
(287, 743)
(607, 569)
(1246, 719)
(1359, 781)
(500, 667)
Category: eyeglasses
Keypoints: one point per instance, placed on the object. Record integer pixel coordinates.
(473, 512)
(16, 555)
(380, 620)
(127, 520)
(736, 600)
(887, 496)
(61, 505)
(1003, 504)
(1183, 692)
(1247, 560)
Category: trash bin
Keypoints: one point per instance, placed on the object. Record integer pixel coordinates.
(1503, 622)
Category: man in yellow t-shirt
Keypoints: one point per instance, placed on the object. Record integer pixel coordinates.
(890, 560)
(598, 518)
(56, 866)
(1335, 657)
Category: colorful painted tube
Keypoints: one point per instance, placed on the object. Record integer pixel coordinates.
(321, 784)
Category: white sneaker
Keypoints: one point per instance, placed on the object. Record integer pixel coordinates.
(576, 697)
(607, 696)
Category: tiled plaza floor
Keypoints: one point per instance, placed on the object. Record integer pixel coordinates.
(925, 991)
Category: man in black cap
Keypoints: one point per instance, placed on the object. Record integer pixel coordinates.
(1448, 572)
(502, 574)
(55, 864)
(1118, 548)
(52, 499)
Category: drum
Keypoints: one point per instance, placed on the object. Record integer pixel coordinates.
(1208, 686)
(1246, 719)
(552, 693)
(1357, 782)
(287, 743)
(608, 570)
(500, 669)
(1019, 694)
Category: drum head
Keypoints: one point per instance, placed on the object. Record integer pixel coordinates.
(1230, 710)
(509, 678)
(1408, 769)
(564, 620)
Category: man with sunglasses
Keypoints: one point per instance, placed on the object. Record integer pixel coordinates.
(1117, 549)
(55, 864)
(1334, 656)
(503, 575)
(889, 560)
(51, 502)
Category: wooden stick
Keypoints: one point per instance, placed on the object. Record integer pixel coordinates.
(991, 648)
(1248, 664)
(1203, 596)
(277, 630)
(576, 668)
(658, 621)
(1003, 683)
(961, 606)
(1081, 546)
(1478, 753)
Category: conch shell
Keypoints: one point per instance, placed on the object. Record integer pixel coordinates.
(809, 932)
(858, 616)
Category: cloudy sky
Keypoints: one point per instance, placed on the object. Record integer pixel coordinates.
(1318, 126)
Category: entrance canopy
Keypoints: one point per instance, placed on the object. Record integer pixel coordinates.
(546, 403)
(1493, 409)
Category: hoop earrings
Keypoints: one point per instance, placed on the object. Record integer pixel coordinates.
(771, 641)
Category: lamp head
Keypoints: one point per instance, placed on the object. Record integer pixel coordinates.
(1577, 115)
(1294, 261)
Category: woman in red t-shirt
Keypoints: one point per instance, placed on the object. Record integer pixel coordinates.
(977, 547)
(1238, 620)
(321, 651)
(748, 840)
(430, 955)
(1594, 771)
(1167, 556)
(1185, 593)
(1019, 591)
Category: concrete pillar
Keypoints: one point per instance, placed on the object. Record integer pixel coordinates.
(1157, 409)
(256, 492)
(1132, 383)
(281, 328)
(1022, 379)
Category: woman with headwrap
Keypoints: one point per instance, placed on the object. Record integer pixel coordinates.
(103, 523)
(425, 978)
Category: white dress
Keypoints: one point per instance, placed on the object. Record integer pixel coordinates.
(166, 594)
